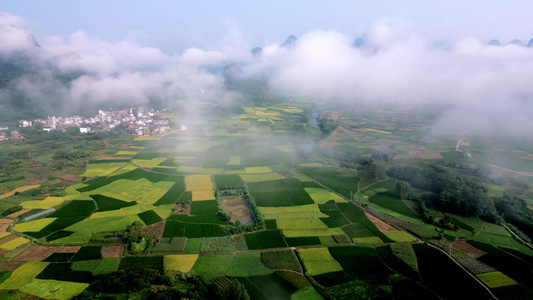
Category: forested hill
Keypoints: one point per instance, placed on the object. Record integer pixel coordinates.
(19, 72)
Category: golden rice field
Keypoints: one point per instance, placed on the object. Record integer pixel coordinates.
(198, 182)
(379, 131)
(254, 170)
(203, 195)
(261, 177)
(35, 225)
(13, 244)
(47, 203)
(19, 189)
(179, 262)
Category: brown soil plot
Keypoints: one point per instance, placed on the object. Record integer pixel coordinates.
(382, 226)
(36, 252)
(156, 229)
(238, 210)
(112, 251)
(467, 249)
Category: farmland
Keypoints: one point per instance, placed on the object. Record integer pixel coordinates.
(236, 199)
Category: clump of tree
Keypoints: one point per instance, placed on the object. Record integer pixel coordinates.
(403, 189)
(153, 284)
(136, 240)
(327, 126)
(70, 155)
(457, 194)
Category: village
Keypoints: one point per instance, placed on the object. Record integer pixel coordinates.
(137, 120)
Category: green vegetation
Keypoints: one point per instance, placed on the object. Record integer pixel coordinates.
(265, 239)
(281, 260)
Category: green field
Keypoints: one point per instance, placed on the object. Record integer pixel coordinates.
(211, 266)
(265, 239)
(248, 264)
(283, 192)
(318, 261)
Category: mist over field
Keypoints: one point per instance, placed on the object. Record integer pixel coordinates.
(484, 87)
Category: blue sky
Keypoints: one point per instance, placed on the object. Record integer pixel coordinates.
(173, 26)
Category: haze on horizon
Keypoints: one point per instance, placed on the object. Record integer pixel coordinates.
(417, 53)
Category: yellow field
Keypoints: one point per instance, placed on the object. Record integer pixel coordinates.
(4, 234)
(367, 240)
(179, 262)
(11, 245)
(148, 163)
(164, 211)
(23, 275)
(321, 196)
(105, 214)
(94, 170)
(261, 177)
(47, 203)
(288, 209)
(311, 232)
(203, 195)
(496, 279)
(465, 144)
(399, 236)
(20, 189)
(254, 170)
(234, 160)
(200, 170)
(126, 153)
(198, 182)
(380, 131)
(35, 225)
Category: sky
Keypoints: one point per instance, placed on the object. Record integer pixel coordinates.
(415, 52)
(174, 26)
